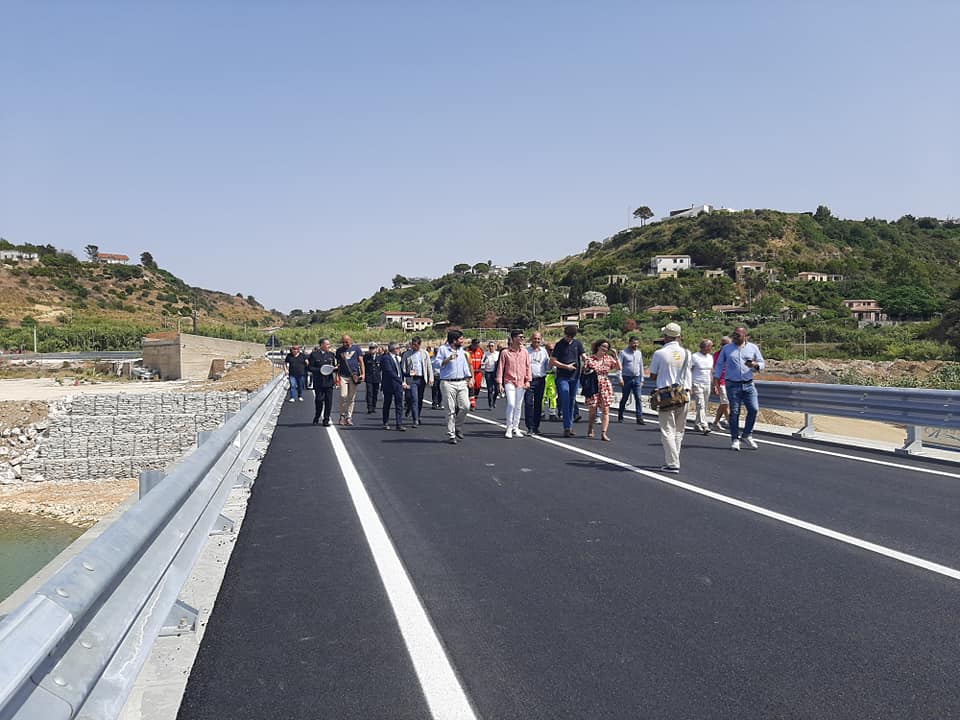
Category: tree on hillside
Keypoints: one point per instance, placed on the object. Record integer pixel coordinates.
(92, 251)
(481, 268)
(592, 297)
(146, 259)
(465, 305)
(643, 213)
(399, 281)
(461, 268)
(822, 214)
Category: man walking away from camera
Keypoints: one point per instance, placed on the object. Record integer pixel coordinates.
(671, 366)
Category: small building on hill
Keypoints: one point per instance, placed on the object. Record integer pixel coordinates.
(415, 324)
(662, 309)
(669, 265)
(868, 311)
(18, 255)
(747, 266)
(396, 317)
(818, 277)
(112, 259)
(593, 312)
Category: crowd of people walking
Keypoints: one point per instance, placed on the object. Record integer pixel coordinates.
(539, 380)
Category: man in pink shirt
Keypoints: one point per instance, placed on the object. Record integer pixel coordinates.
(513, 378)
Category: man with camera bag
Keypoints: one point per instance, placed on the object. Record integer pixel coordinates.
(670, 369)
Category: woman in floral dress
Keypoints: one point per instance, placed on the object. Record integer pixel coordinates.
(602, 362)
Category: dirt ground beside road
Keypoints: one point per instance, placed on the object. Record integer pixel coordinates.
(78, 503)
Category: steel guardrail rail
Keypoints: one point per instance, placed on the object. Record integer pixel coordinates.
(87, 607)
(913, 407)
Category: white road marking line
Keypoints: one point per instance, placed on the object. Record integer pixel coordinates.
(872, 461)
(834, 453)
(445, 695)
(773, 515)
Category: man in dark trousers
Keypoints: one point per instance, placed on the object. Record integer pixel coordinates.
(371, 361)
(322, 368)
(296, 363)
(391, 381)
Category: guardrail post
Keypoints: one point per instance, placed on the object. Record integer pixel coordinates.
(222, 525)
(914, 442)
(149, 479)
(181, 618)
(808, 430)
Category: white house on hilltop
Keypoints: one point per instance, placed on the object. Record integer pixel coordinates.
(693, 211)
(669, 265)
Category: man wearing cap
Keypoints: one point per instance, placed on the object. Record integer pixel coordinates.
(296, 363)
(371, 363)
(322, 367)
(671, 366)
(739, 361)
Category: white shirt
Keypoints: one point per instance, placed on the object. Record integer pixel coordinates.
(667, 363)
(490, 360)
(539, 361)
(702, 368)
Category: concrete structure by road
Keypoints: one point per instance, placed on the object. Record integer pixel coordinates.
(181, 356)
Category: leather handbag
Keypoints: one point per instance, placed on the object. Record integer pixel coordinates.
(667, 398)
(589, 384)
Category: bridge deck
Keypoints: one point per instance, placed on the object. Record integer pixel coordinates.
(564, 585)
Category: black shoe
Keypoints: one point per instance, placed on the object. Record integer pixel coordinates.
(316, 420)
(620, 417)
(641, 421)
(326, 423)
(453, 441)
(459, 435)
(577, 418)
(401, 428)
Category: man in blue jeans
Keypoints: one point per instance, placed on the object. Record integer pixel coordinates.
(631, 374)
(567, 358)
(740, 359)
(296, 363)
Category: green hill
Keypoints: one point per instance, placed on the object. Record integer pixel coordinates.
(910, 267)
(92, 305)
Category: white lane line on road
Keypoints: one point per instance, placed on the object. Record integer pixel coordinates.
(772, 514)
(845, 456)
(445, 695)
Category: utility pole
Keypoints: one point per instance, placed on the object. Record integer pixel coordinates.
(34, 339)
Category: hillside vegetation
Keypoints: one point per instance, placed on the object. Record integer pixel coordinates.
(910, 266)
(89, 305)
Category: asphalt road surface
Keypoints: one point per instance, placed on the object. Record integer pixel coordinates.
(391, 575)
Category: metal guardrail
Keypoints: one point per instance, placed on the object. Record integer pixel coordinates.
(74, 648)
(914, 408)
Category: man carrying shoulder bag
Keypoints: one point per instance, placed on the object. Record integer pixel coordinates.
(670, 369)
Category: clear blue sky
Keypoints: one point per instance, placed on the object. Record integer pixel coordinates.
(306, 152)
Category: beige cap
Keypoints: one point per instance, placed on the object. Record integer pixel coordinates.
(671, 330)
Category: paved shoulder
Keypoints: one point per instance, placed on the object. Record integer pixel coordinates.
(302, 627)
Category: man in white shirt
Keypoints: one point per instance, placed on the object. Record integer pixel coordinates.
(631, 379)
(456, 378)
(702, 380)
(490, 358)
(533, 398)
(671, 366)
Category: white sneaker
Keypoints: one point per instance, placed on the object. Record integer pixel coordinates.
(508, 433)
(735, 445)
(300, 398)
(517, 432)
(291, 400)
(751, 443)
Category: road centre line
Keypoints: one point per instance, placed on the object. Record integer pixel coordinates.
(441, 687)
(833, 453)
(773, 515)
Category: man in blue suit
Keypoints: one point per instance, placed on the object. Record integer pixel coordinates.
(392, 385)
